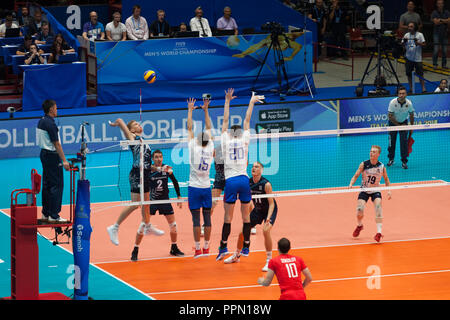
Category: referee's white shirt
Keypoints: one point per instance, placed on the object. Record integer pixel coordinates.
(401, 111)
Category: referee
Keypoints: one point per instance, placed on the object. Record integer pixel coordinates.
(51, 157)
(399, 110)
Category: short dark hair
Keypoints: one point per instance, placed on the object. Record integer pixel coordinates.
(203, 138)
(136, 6)
(284, 245)
(444, 80)
(400, 88)
(236, 131)
(156, 151)
(27, 37)
(47, 105)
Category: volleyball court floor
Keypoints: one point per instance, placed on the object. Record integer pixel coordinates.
(411, 262)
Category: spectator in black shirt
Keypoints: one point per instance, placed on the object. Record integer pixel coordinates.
(44, 35)
(338, 25)
(25, 47)
(160, 27)
(25, 19)
(319, 16)
(35, 27)
(33, 57)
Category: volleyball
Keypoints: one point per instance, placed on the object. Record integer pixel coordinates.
(150, 76)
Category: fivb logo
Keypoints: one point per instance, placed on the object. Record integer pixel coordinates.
(373, 21)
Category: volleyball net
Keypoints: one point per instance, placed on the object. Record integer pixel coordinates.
(296, 163)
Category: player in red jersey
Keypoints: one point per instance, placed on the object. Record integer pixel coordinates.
(287, 269)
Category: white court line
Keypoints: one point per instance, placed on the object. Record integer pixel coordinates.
(298, 248)
(314, 281)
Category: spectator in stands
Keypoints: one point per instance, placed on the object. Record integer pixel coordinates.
(9, 24)
(414, 41)
(25, 47)
(200, 24)
(319, 16)
(183, 27)
(64, 45)
(338, 24)
(227, 22)
(33, 57)
(441, 19)
(443, 86)
(137, 28)
(291, 4)
(116, 30)
(409, 16)
(35, 27)
(160, 27)
(25, 19)
(44, 35)
(94, 29)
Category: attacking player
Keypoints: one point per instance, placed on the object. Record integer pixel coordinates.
(287, 268)
(235, 142)
(372, 170)
(201, 154)
(262, 210)
(159, 190)
(133, 131)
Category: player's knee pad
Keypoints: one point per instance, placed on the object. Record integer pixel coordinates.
(360, 209)
(196, 217)
(207, 217)
(141, 228)
(173, 227)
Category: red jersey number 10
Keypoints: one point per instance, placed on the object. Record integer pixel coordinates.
(292, 270)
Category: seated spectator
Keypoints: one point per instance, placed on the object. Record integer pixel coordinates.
(33, 57)
(25, 19)
(64, 45)
(44, 35)
(408, 17)
(183, 27)
(227, 22)
(443, 86)
(9, 24)
(35, 26)
(160, 27)
(94, 29)
(200, 24)
(25, 47)
(116, 30)
(137, 28)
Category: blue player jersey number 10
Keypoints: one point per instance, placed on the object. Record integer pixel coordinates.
(236, 153)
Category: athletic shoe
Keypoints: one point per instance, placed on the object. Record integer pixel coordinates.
(174, 251)
(222, 253)
(378, 237)
(357, 231)
(206, 252)
(245, 251)
(113, 232)
(150, 229)
(202, 231)
(134, 254)
(404, 165)
(198, 253)
(234, 258)
(57, 220)
(253, 231)
(44, 217)
(266, 266)
(390, 163)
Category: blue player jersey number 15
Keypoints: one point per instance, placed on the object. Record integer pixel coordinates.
(203, 166)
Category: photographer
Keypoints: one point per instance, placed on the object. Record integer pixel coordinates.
(319, 16)
(413, 42)
(338, 24)
(33, 57)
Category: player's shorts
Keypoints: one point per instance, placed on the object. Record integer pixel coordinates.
(199, 198)
(258, 217)
(163, 208)
(237, 187)
(365, 196)
(134, 178)
(293, 295)
(219, 178)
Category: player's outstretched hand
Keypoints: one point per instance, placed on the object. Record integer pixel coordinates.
(257, 98)
(205, 104)
(229, 94)
(115, 123)
(191, 103)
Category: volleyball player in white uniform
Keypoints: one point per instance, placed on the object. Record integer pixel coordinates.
(201, 155)
(372, 171)
(235, 144)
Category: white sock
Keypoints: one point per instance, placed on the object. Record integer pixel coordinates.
(197, 245)
(379, 225)
(206, 245)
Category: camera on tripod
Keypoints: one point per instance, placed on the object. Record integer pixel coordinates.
(391, 45)
(273, 27)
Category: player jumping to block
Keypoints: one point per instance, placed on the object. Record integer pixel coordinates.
(235, 144)
(133, 131)
(372, 170)
(262, 210)
(201, 154)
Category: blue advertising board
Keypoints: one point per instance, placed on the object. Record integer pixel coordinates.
(187, 65)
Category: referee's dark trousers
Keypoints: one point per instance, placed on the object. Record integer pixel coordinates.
(52, 183)
(403, 143)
